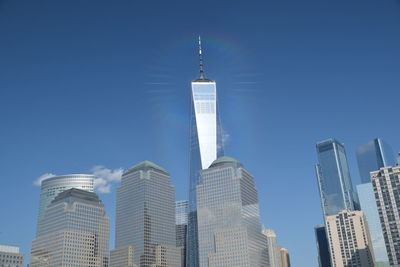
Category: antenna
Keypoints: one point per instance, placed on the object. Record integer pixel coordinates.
(201, 60)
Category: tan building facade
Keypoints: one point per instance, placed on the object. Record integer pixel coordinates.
(285, 260)
(10, 256)
(349, 240)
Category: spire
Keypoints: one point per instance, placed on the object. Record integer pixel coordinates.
(201, 60)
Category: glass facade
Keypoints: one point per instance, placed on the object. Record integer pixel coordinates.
(145, 218)
(51, 187)
(74, 231)
(181, 220)
(324, 256)
(229, 228)
(373, 156)
(205, 146)
(370, 209)
(333, 177)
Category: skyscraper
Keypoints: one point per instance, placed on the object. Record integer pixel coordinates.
(74, 231)
(349, 240)
(51, 187)
(373, 156)
(205, 147)
(386, 185)
(324, 256)
(333, 176)
(228, 218)
(181, 220)
(10, 256)
(285, 259)
(274, 251)
(145, 219)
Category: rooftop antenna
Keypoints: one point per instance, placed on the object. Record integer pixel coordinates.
(201, 60)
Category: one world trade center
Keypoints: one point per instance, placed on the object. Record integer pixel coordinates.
(205, 146)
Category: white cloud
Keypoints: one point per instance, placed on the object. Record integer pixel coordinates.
(40, 179)
(104, 178)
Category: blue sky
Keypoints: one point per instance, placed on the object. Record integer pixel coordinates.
(88, 83)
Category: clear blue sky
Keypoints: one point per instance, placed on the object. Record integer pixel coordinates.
(86, 83)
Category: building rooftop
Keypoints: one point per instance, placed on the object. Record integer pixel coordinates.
(77, 194)
(146, 165)
(9, 249)
(223, 160)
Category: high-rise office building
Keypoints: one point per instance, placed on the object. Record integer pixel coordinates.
(51, 187)
(228, 218)
(370, 209)
(205, 146)
(181, 220)
(349, 240)
(285, 259)
(324, 256)
(10, 256)
(74, 231)
(386, 185)
(398, 159)
(373, 156)
(274, 251)
(145, 217)
(333, 176)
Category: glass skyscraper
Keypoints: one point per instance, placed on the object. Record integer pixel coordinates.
(74, 231)
(145, 217)
(373, 156)
(229, 227)
(51, 187)
(205, 147)
(181, 220)
(333, 176)
(324, 256)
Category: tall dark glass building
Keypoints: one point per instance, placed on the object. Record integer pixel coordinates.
(373, 156)
(324, 257)
(333, 176)
(205, 147)
(181, 220)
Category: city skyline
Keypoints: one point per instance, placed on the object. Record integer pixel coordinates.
(99, 90)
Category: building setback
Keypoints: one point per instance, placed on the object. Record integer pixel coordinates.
(349, 240)
(145, 219)
(74, 231)
(386, 185)
(51, 187)
(10, 256)
(228, 217)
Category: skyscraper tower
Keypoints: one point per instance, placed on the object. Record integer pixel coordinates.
(373, 156)
(74, 231)
(386, 185)
(229, 227)
(51, 187)
(145, 219)
(181, 220)
(333, 176)
(205, 146)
